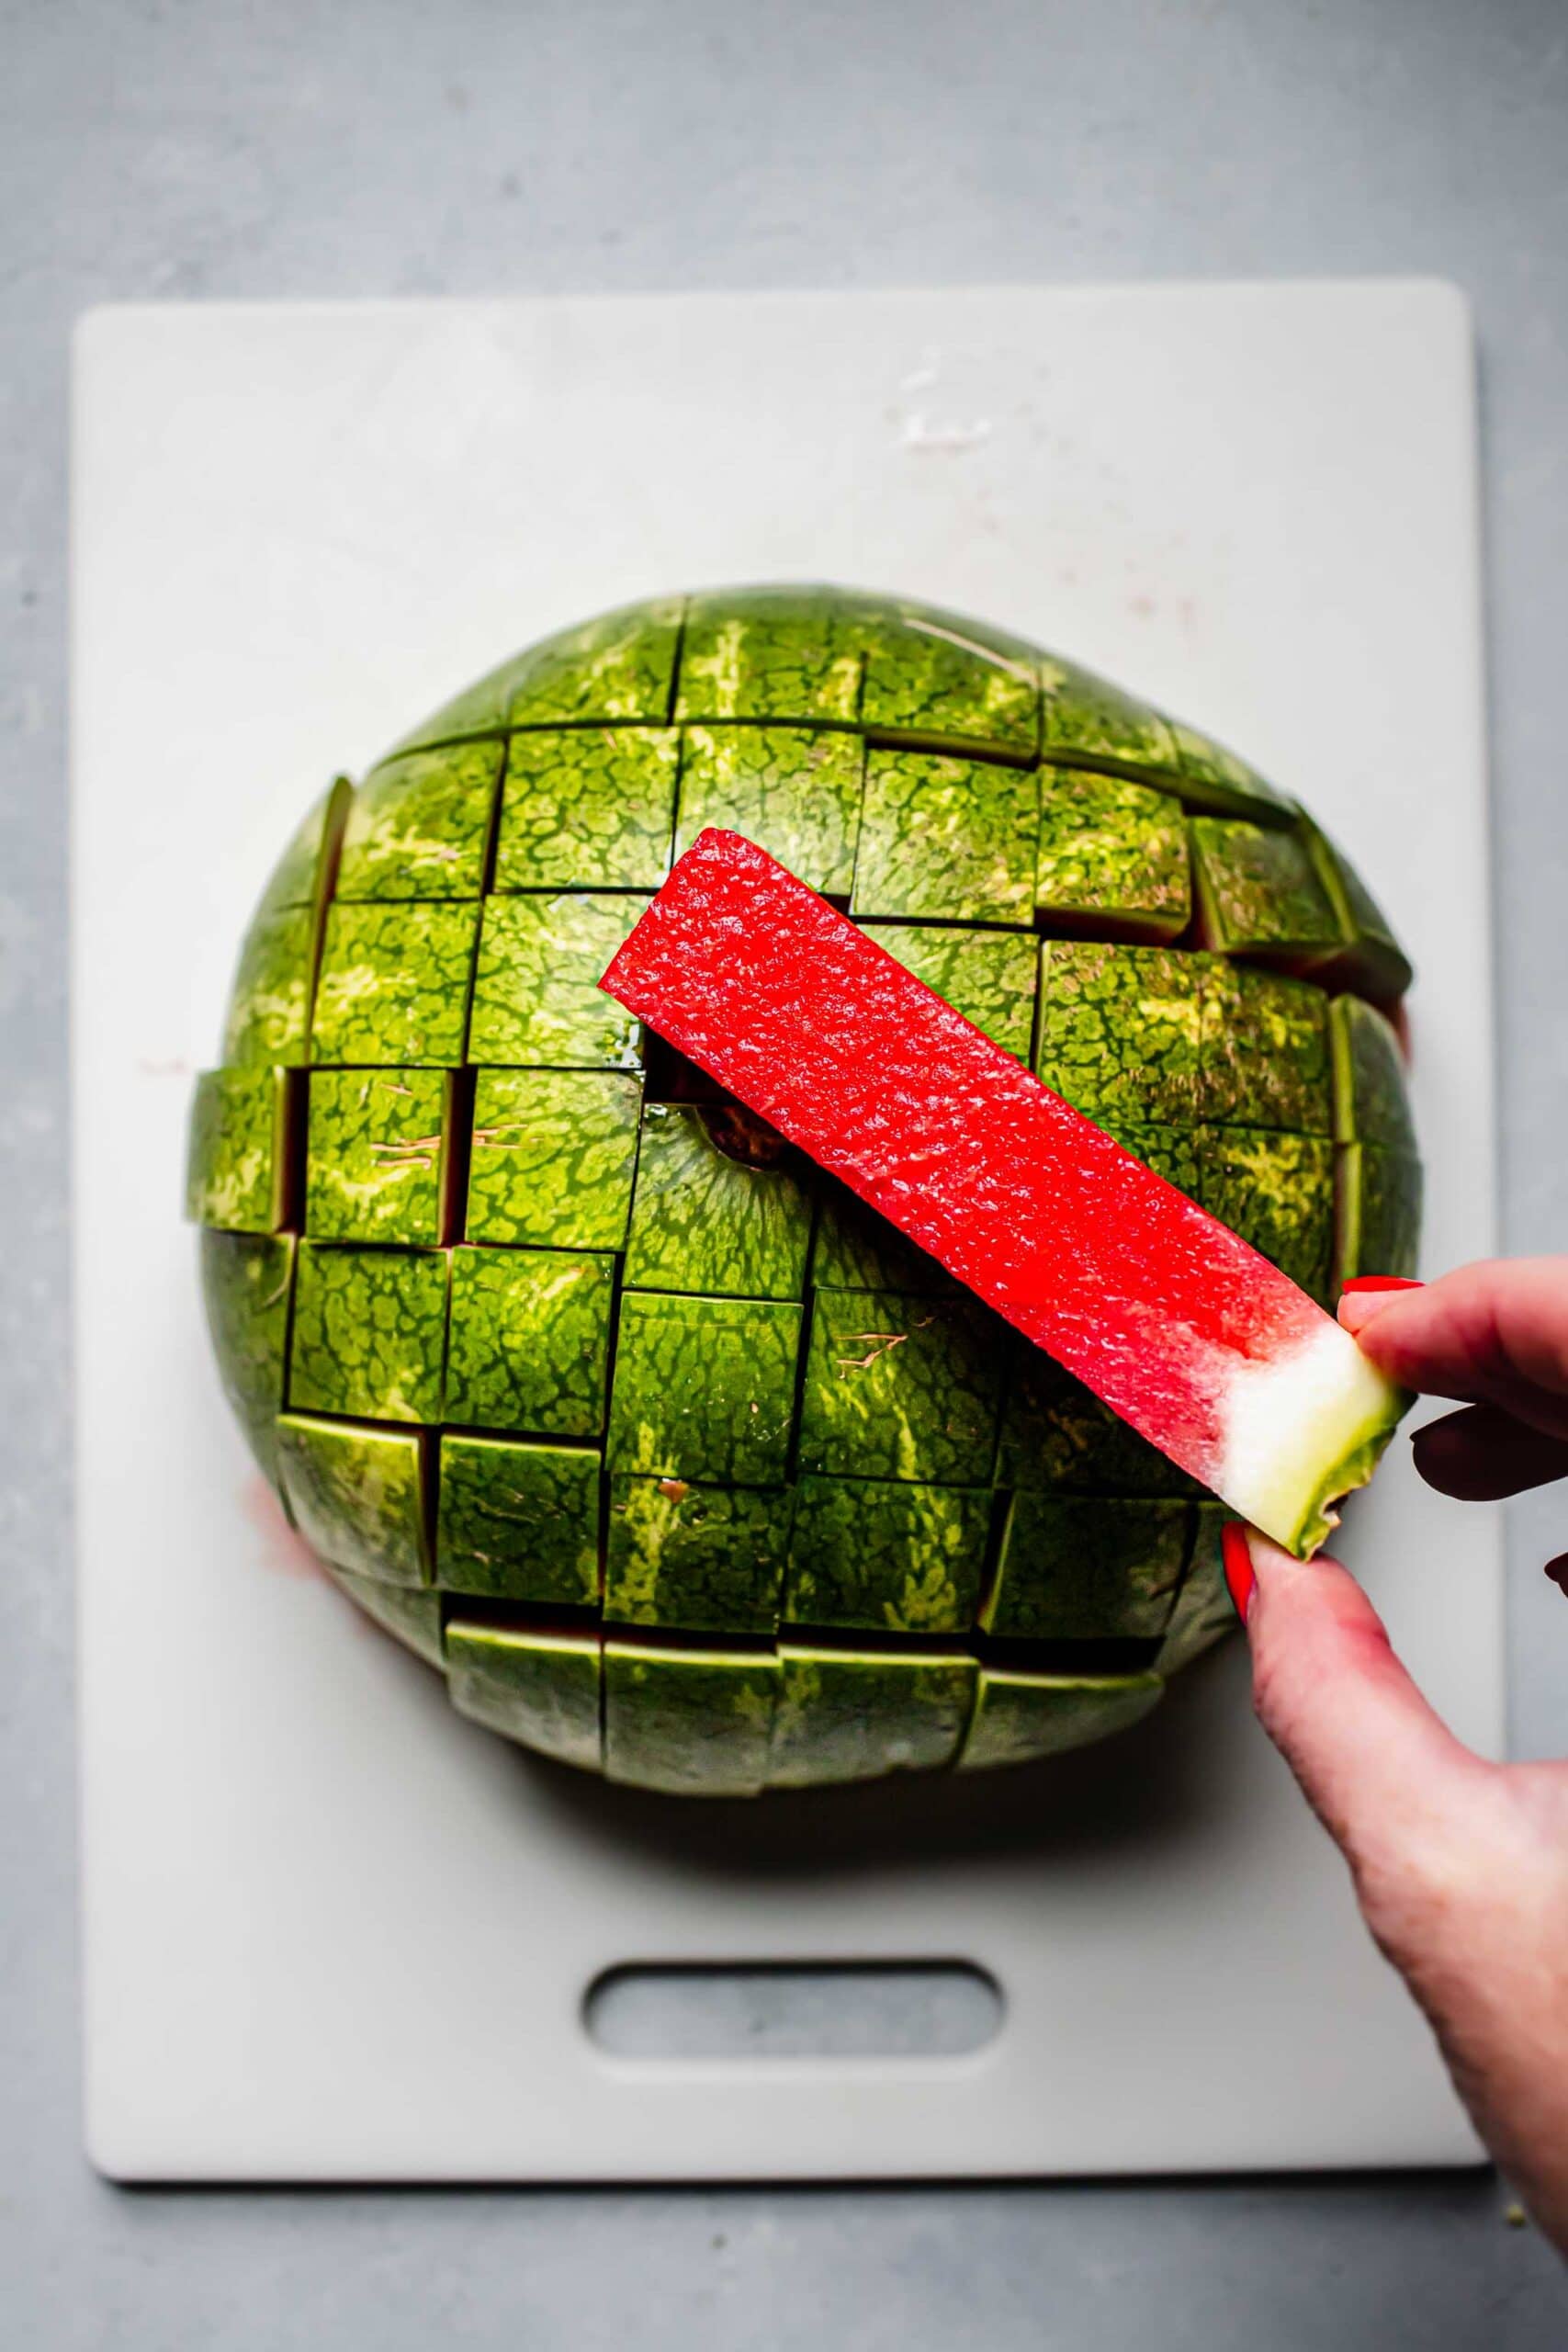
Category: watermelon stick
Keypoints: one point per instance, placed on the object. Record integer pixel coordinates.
(1182, 1328)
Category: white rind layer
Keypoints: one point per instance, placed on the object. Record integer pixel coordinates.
(1291, 1422)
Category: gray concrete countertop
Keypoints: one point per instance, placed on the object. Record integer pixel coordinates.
(164, 149)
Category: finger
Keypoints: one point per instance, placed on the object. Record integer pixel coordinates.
(1367, 1295)
(1379, 1767)
(1496, 1333)
(1482, 1454)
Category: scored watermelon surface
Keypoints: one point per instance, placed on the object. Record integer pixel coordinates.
(676, 1460)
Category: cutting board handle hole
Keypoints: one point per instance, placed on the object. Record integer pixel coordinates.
(909, 2008)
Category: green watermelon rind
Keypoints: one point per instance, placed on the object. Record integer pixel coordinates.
(539, 1687)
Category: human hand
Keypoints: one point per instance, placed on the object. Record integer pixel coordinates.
(1461, 1866)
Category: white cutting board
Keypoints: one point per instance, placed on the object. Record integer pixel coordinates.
(330, 1930)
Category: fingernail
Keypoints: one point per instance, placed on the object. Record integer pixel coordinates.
(1236, 1558)
(1378, 1282)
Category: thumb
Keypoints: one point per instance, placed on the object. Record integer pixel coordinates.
(1379, 1767)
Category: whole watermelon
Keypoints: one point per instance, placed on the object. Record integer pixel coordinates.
(675, 1461)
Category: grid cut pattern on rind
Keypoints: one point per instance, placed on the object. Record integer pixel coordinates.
(680, 1463)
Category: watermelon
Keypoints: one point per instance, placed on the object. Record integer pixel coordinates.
(1165, 1311)
(1111, 857)
(888, 1555)
(518, 1519)
(587, 808)
(795, 789)
(551, 1157)
(375, 1162)
(699, 1558)
(392, 985)
(678, 1459)
(535, 1685)
(855, 1714)
(418, 828)
(356, 1495)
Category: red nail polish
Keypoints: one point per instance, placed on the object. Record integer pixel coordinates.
(1378, 1281)
(1236, 1558)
